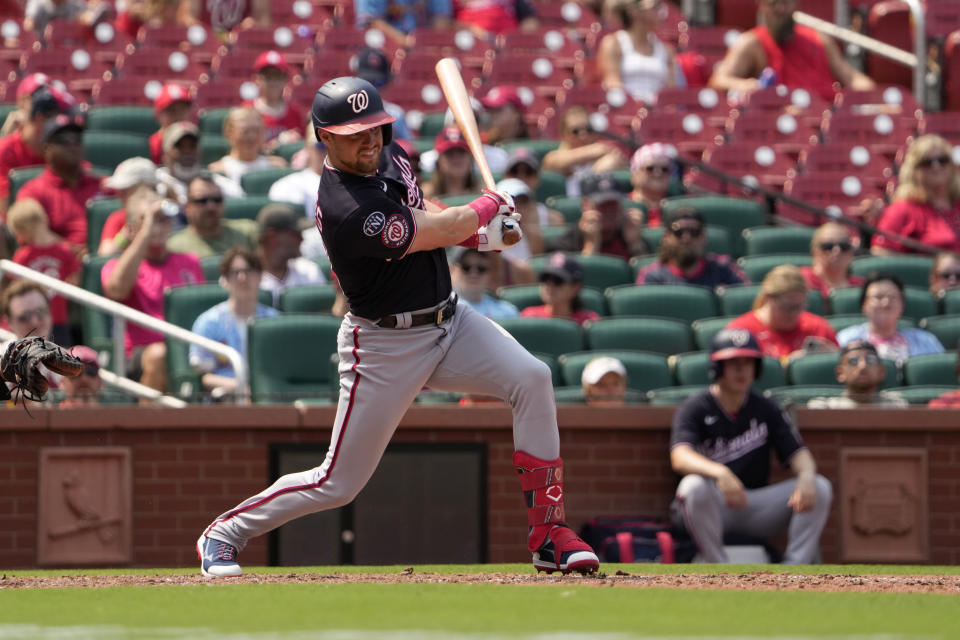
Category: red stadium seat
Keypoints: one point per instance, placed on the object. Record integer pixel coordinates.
(951, 72)
(892, 99)
(278, 38)
(890, 22)
(347, 40)
(746, 160)
(709, 104)
(570, 15)
(162, 65)
(943, 17)
(443, 43)
(784, 132)
(224, 92)
(126, 91)
(420, 68)
(880, 133)
(201, 42)
(712, 42)
(688, 132)
(943, 123)
(239, 63)
(839, 158)
(544, 42)
(313, 15)
(540, 72)
(843, 194)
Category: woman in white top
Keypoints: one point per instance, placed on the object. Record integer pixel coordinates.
(634, 58)
(246, 133)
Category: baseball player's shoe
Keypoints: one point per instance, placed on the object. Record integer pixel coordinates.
(563, 551)
(218, 559)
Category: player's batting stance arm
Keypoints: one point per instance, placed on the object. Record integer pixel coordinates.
(488, 223)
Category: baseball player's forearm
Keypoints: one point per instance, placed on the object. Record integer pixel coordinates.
(443, 228)
(803, 464)
(686, 461)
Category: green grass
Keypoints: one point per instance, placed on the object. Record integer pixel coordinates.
(481, 610)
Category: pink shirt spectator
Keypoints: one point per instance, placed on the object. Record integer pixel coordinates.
(153, 278)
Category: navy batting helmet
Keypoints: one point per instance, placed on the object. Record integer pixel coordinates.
(734, 343)
(350, 105)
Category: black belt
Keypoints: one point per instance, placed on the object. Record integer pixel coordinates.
(437, 316)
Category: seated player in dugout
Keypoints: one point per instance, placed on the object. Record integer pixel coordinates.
(405, 331)
(720, 442)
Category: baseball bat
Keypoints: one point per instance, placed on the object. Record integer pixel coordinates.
(459, 101)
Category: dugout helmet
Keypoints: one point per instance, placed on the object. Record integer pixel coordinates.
(350, 105)
(734, 343)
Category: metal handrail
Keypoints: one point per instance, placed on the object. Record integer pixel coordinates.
(126, 384)
(124, 313)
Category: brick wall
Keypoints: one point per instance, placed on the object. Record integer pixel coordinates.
(191, 465)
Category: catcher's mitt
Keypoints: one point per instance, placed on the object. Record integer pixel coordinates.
(21, 362)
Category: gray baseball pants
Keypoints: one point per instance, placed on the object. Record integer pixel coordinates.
(381, 372)
(707, 518)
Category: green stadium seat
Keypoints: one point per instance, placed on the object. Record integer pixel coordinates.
(645, 370)
(274, 375)
(551, 362)
(552, 234)
(934, 368)
(311, 298)
(432, 396)
(820, 369)
(569, 206)
(756, 267)
(125, 119)
(431, 125)
(551, 184)
(718, 240)
(569, 395)
(324, 264)
(528, 295)
(913, 270)
(211, 267)
(211, 121)
(245, 208)
(737, 299)
(705, 329)
(921, 394)
(213, 147)
(288, 149)
(800, 395)
(181, 306)
(20, 176)
(771, 240)
(639, 262)
(97, 213)
(456, 201)
(736, 214)
(683, 302)
(692, 369)
(540, 147)
(6, 109)
(599, 270)
(918, 303)
(951, 302)
(97, 326)
(665, 396)
(553, 336)
(658, 335)
(258, 183)
(842, 321)
(946, 328)
(107, 149)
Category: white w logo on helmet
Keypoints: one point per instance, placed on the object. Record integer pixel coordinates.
(359, 101)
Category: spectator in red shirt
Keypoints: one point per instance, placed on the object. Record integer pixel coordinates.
(172, 104)
(926, 204)
(16, 118)
(130, 175)
(651, 168)
(505, 108)
(487, 18)
(795, 55)
(560, 283)
(146, 12)
(24, 147)
(282, 118)
(832, 249)
(782, 326)
(64, 187)
(138, 278)
(44, 251)
(945, 273)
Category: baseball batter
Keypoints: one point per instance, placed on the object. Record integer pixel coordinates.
(721, 442)
(405, 331)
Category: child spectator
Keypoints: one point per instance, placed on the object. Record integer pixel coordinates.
(245, 131)
(46, 252)
(172, 104)
(282, 118)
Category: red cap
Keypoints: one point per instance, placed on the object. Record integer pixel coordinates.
(500, 96)
(271, 59)
(169, 94)
(31, 83)
(450, 138)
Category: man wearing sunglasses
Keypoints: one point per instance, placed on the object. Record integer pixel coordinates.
(861, 372)
(470, 275)
(207, 232)
(832, 250)
(82, 390)
(683, 258)
(26, 311)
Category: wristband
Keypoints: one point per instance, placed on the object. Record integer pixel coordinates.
(486, 207)
(472, 242)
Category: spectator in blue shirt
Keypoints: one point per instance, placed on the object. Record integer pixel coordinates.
(397, 18)
(470, 273)
(228, 321)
